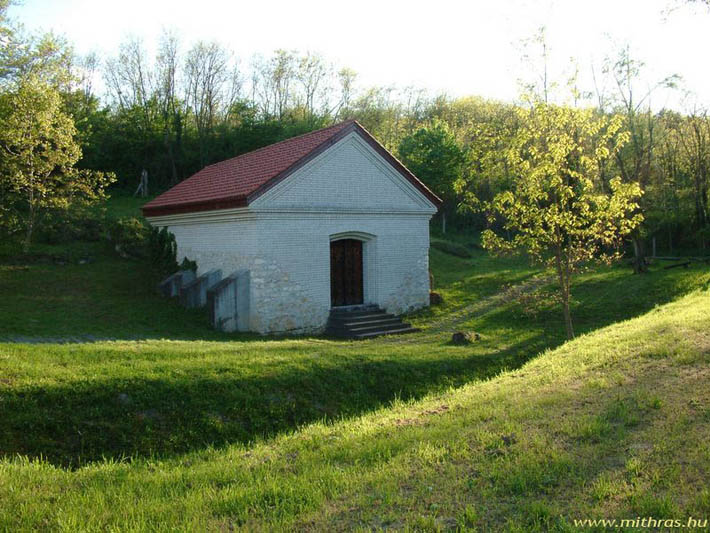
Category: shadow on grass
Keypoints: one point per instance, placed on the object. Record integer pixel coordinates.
(95, 419)
(92, 419)
(108, 299)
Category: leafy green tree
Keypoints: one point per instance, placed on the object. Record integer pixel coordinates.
(48, 57)
(484, 129)
(39, 151)
(434, 156)
(557, 210)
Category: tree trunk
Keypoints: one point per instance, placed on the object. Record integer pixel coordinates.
(28, 233)
(568, 316)
(171, 157)
(443, 222)
(640, 265)
(30, 221)
(563, 275)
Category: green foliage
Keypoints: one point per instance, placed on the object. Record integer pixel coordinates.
(77, 222)
(47, 56)
(129, 237)
(559, 211)
(435, 157)
(484, 129)
(162, 251)
(37, 171)
(188, 264)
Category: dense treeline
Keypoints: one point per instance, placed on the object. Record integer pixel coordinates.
(192, 104)
(189, 107)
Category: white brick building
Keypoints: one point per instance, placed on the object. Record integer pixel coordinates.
(323, 220)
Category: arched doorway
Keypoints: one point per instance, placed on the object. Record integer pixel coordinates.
(346, 272)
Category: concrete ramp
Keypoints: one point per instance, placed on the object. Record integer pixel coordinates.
(228, 302)
(194, 293)
(227, 299)
(170, 286)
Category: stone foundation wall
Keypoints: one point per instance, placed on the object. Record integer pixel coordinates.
(276, 303)
(288, 260)
(413, 292)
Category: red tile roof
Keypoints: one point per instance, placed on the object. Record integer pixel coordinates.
(237, 181)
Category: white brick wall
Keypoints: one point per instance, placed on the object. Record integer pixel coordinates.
(283, 238)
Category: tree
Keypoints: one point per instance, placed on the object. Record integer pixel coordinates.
(346, 83)
(171, 109)
(39, 151)
(433, 155)
(557, 210)
(484, 129)
(536, 55)
(312, 74)
(129, 78)
(272, 82)
(695, 142)
(48, 57)
(130, 81)
(207, 74)
(637, 159)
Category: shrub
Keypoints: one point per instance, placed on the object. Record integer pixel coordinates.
(187, 264)
(59, 226)
(162, 251)
(451, 248)
(129, 236)
(133, 240)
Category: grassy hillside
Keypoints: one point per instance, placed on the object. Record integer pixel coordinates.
(118, 407)
(611, 425)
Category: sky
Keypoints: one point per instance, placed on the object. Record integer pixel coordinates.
(458, 48)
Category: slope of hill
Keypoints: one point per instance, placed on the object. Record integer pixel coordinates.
(612, 425)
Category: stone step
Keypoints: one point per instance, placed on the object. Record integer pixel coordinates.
(356, 314)
(371, 334)
(385, 320)
(380, 327)
(361, 319)
(349, 333)
(365, 322)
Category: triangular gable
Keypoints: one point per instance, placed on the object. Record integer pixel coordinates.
(349, 175)
(239, 181)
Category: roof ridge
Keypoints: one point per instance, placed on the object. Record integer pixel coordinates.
(343, 124)
(237, 181)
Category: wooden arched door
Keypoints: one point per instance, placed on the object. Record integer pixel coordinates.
(346, 286)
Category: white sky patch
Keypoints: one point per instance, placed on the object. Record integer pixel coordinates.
(458, 48)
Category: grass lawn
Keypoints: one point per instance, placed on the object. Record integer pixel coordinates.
(147, 419)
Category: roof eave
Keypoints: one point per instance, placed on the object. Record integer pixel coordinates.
(243, 201)
(193, 207)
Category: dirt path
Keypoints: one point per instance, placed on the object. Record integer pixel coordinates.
(450, 322)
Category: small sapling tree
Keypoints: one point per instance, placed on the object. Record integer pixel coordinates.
(559, 210)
